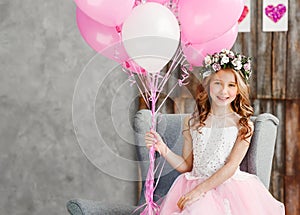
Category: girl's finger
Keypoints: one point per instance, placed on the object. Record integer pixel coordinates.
(152, 132)
(182, 202)
(148, 138)
(179, 203)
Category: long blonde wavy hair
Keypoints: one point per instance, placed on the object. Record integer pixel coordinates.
(241, 105)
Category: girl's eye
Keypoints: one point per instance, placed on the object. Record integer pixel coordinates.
(217, 83)
(232, 85)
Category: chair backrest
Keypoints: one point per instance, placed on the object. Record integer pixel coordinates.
(258, 160)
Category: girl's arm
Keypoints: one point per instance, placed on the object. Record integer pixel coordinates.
(234, 160)
(180, 163)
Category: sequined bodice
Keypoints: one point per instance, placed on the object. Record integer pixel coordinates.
(211, 147)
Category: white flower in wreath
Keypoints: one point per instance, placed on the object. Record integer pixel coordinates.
(226, 51)
(216, 59)
(237, 64)
(207, 60)
(207, 73)
(224, 60)
(231, 55)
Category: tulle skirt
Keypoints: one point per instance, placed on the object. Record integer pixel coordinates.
(243, 193)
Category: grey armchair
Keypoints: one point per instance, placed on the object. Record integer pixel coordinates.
(258, 160)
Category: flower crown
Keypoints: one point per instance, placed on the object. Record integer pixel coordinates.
(227, 59)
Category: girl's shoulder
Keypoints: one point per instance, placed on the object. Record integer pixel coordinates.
(250, 122)
(191, 121)
(239, 117)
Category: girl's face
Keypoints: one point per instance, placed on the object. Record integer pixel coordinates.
(223, 88)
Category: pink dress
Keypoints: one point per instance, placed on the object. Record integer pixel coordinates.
(243, 193)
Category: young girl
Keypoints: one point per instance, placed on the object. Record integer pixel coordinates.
(216, 139)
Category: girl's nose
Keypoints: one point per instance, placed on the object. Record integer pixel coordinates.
(224, 89)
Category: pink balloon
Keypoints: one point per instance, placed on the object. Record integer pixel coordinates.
(204, 20)
(103, 39)
(195, 53)
(159, 1)
(107, 12)
(98, 36)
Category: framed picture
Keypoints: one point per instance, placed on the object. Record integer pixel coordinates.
(275, 15)
(245, 19)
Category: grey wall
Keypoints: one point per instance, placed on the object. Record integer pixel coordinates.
(42, 162)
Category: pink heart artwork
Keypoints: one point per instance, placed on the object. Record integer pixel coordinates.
(275, 13)
(244, 14)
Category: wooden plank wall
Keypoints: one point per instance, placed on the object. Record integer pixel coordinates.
(275, 88)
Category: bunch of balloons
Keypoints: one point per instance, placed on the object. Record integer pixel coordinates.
(146, 34)
(143, 36)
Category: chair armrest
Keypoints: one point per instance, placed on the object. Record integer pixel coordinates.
(89, 207)
(262, 146)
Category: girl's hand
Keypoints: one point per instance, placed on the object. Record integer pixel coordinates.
(153, 138)
(189, 198)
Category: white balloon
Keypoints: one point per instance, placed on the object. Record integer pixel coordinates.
(151, 36)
